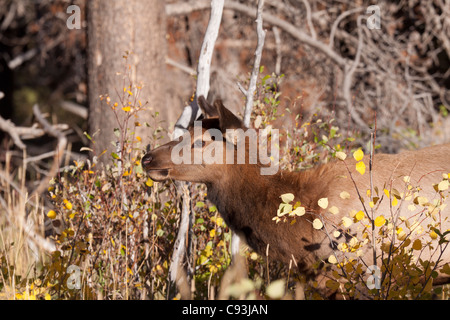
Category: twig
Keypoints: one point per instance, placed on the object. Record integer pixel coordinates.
(294, 31)
(276, 33)
(20, 59)
(180, 66)
(338, 20)
(75, 109)
(349, 72)
(11, 129)
(309, 19)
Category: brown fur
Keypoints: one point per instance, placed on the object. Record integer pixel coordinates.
(248, 201)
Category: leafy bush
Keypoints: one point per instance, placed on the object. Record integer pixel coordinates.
(118, 226)
(411, 247)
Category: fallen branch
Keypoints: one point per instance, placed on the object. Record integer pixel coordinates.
(18, 134)
(9, 127)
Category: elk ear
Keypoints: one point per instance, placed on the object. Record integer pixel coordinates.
(208, 110)
(227, 118)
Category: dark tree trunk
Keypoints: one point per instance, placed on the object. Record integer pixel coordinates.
(115, 27)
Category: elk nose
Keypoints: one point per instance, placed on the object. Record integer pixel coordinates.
(147, 159)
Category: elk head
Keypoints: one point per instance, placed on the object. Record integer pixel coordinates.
(208, 148)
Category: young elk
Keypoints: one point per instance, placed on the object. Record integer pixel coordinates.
(248, 200)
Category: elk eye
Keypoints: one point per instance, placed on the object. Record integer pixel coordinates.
(198, 144)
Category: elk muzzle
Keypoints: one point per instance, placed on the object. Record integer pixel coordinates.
(157, 163)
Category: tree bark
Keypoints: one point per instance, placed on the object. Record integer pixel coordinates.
(115, 27)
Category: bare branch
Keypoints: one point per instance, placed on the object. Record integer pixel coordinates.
(188, 116)
(11, 129)
(180, 66)
(192, 111)
(268, 18)
(258, 53)
(309, 19)
(75, 108)
(348, 78)
(336, 22)
(276, 33)
(180, 245)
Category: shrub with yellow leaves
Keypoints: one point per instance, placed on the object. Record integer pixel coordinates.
(382, 255)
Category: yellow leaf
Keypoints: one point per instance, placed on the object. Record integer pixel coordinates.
(323, 203)
(334, 210)
(353, 242)
(336, 233)
(299, 211)
(276, 289)
(401, 235)
(48, 297)
(67, 204)
(421, 200)
(361, 167)
(344, 195)
(359, 215)
(341, 155)
(276, 219)
(379, 221)
(149, 182)
(358, 155)
(443, 185)
(332, 259)
(126, 109)
(394, 201)
(386, 192)
(332, 284)
(317, 224)
(417, 244)
(343, 247)
(287, 197)
(347, 222)
(51, 214)
(212, 233)
(138, 138)
(433, 235)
